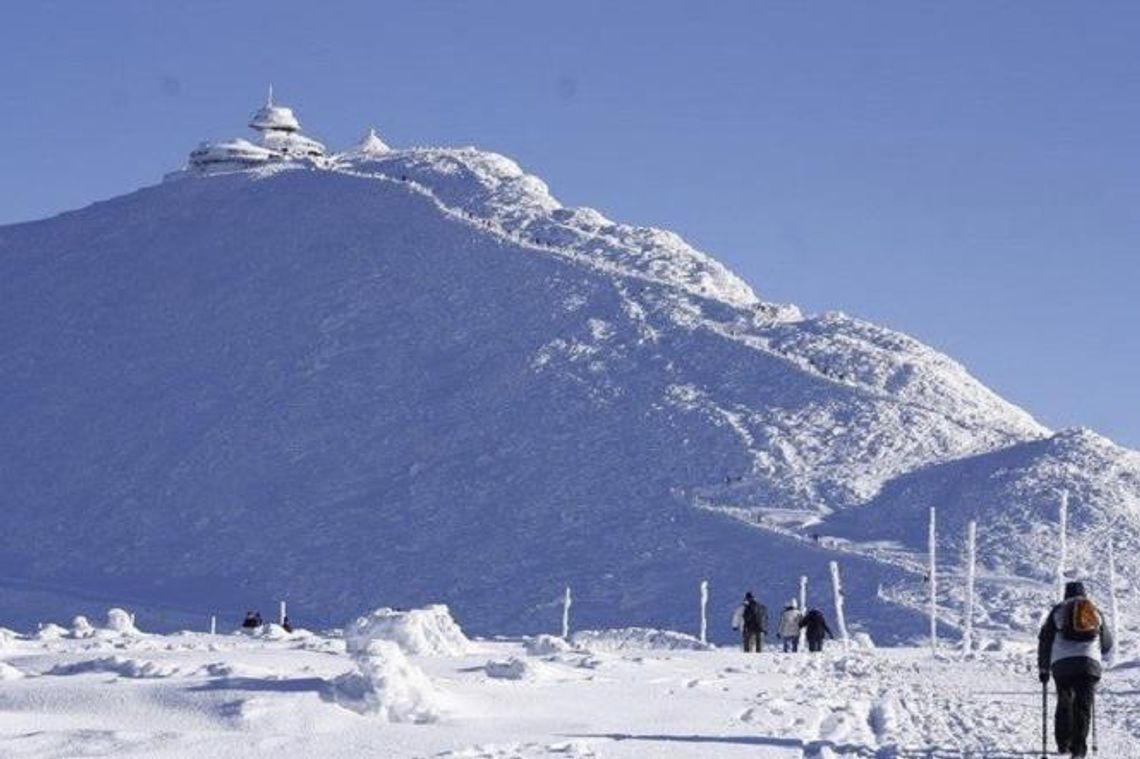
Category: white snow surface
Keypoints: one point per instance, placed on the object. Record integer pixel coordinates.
(195, 695)
(415, 375)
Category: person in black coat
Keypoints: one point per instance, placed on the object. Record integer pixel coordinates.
(1071, 646)
(815, 627)
(751, 617)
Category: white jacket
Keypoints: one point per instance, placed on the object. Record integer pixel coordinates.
(790, 623)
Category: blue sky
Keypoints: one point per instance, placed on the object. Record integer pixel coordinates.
(965, 172)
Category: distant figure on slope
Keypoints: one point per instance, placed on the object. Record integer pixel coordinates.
(752, 618)
(286, 625)
(251, 621)
(789, 628)
(1072, 642)
(815, 627)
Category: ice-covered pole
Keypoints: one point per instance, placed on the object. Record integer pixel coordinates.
(566, 601)
(281, 613)
(840, 618)
(971, 574)
(1112, 595)
(213, 624)
(803, 604)
(932, 576)
(1064, 547)
(704, 611)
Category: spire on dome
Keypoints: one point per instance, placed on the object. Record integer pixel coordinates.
(269, 99)
(274, 118)
(372, 144)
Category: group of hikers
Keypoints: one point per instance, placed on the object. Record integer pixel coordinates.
(751, 619)
(1071, 647)
(253, 621)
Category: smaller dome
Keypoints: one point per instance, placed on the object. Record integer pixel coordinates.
(272, 117)
(372, 144)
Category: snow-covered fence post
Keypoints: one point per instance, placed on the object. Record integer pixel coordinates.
(1112, 595)
(1064, 547)
(213, 624)
(840, 618)
(803, 605)
(566, 601)
(971, 574)
(704, 611)
(281, 613)
(932, 576)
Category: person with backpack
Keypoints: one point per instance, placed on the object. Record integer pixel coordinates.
(815, 627)
(1071, 646)
(752, 618)
(789, 627)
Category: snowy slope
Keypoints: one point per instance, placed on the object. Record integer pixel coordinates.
(415, 376)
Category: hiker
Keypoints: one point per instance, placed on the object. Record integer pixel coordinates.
(250, 621)
(285, 625)
(789, 627)
(1071, 645)
(816, 627)
(752, 618)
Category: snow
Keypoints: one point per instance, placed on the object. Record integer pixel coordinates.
(198, 695)
(636, 638)
(429, 631)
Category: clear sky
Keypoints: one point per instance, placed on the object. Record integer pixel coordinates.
(967, 172)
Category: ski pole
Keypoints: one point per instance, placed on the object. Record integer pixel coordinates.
(1044, 720)
(1094, 746)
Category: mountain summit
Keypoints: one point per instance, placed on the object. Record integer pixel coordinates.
(393, 376)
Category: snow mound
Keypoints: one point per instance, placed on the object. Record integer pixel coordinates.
(81, 627)
(121, 621)
(545, 645)
(7, 636)
(50, 631)
(387, 685)
(515, 668)
(8, 672)
(429, 631)
(124, 667)
(274, 631)
(637, 639)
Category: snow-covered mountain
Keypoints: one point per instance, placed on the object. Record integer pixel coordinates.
(394, 377)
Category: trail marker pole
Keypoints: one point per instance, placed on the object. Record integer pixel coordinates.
(704, 611)
(932, 575)
(1112, 595)
(213, 624)
(1064, 548)
(281, 613)
(840, 617)
(971, 574)
(803, 606)
(566, 602)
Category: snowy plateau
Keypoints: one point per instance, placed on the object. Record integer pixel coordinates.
(390, 378)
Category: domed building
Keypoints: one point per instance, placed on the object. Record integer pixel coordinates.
(281, 140)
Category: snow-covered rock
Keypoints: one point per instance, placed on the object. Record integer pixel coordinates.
(429, 631)
(81, 628)
(50, 631)
(387, 685)
(119, 665)
(10, 672)
(636, 638)
(545, 645)
(121, 621)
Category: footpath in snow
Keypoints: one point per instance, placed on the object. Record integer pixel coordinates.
(387, 688)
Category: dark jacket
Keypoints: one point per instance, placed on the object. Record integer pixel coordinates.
(756, 616)
(815, 625)
(1068, 658)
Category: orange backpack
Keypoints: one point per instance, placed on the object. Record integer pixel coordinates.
(1081, 620)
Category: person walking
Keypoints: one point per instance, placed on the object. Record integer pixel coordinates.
(1071, 645)
(789, 627)
(815, 627)
(751, 617)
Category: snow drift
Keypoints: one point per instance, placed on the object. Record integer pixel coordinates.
(425, 632)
